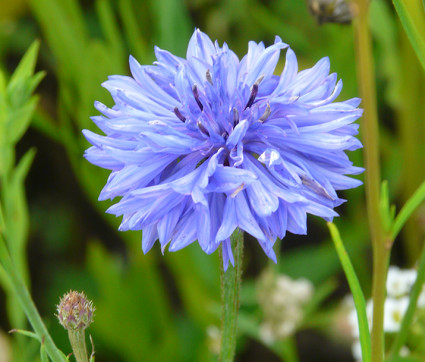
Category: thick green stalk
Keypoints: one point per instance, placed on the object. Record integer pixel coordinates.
(230, 288)
(78, 343)
(381, 256)
(380, 243)
(33, 316)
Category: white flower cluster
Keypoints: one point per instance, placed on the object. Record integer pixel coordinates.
(281, 300)
(399, 285)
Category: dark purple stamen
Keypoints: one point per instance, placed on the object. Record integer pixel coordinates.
(202, 128)
(196, 95)
(208, 76)
(254, 92)
(235, 117)
(266, 113)
(179, 115)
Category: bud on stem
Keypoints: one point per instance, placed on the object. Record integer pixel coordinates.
(75, 313)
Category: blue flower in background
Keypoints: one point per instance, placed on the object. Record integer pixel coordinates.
(201, 146)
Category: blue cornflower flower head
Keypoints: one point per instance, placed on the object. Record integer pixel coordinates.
(201, 146)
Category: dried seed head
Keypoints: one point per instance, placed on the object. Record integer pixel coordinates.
(75, 311)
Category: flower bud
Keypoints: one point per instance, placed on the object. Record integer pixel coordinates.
(331, 11)
(75, 311)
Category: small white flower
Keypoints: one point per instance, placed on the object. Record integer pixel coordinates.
(287, 289)
(394, 310)
(356, 350)
(281, 299)
(303, 289)
(267, 334)
(399, 282)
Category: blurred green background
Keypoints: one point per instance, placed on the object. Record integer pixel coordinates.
(158, 308)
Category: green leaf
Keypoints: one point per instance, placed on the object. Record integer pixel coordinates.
(4, 279)
(409, 207)
(26, 66)
(21, 170)
(19, 120)
(412, 18)
(359, 300)
(16, 213)
(26, 333)
(17, 104)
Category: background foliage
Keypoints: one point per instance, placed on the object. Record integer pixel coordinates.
(154, 307)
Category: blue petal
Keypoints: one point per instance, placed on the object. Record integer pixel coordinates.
(246, 220)
(237, 134)
(289, 72)
(227, 254)
(185, 233)
(230, 221)
(99, 158)
(200, 46)
(150, 235)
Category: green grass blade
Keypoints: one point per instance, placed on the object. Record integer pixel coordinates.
(409, 207)
(109, 25)
(412, 17)
(356, 290)
(132, 30)
(173, 25)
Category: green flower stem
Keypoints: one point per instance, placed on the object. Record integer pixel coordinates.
(356, 291)
(78, 342)
(402, 335)
(230, 289)
(21, 291)
(381, 256)
(381, 243)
